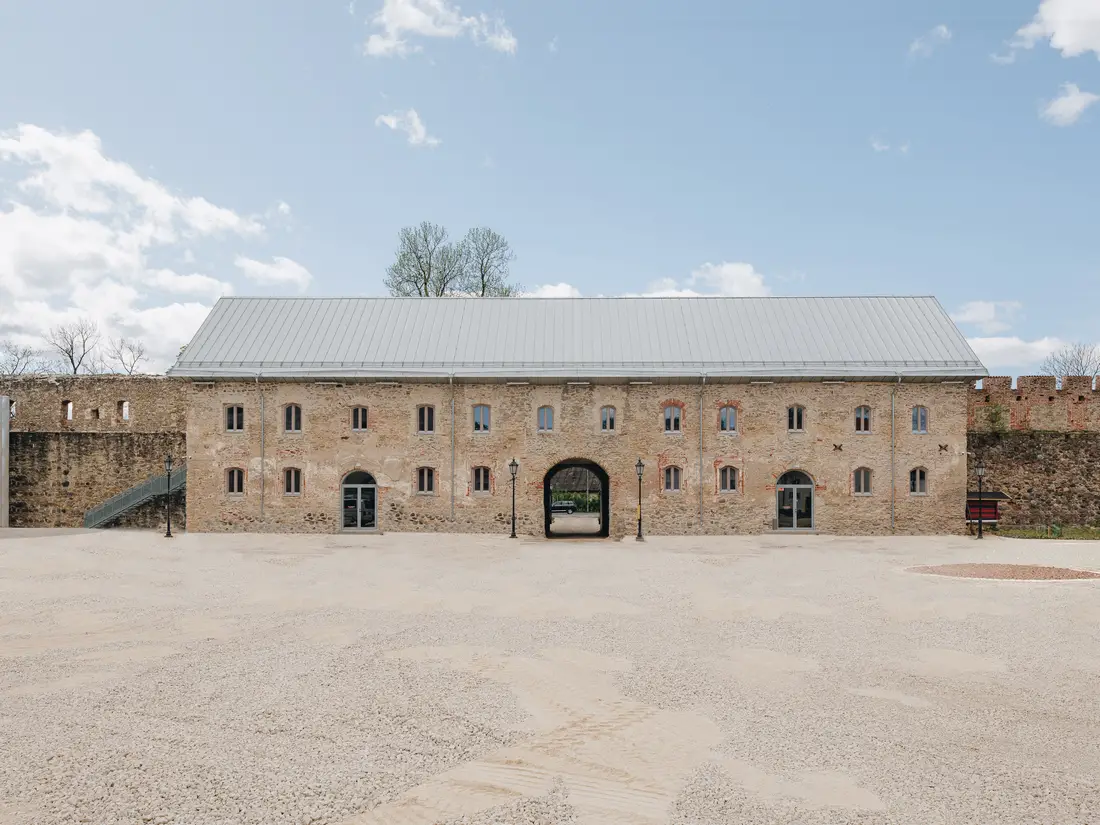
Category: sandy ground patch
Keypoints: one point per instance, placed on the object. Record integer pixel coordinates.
(466, 680)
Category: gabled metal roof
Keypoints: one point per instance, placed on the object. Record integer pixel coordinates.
(533, 338)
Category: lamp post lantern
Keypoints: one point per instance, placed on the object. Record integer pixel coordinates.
(513, 468)
(640, 467)
(979, 471)
(168, 472)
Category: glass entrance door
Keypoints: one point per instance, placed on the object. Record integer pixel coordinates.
(794, 501)
(359, 509)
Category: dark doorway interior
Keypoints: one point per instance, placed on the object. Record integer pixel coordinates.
(576, 500)
(795, 501)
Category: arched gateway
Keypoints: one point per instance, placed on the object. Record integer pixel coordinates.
(359, 495)
(576, 496)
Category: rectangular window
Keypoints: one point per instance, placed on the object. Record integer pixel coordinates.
(235, 481)
(124, 410)
(425, 480)
(795, 419)
(546, 419)
(481, 418)
(672, 419)
(672, 479)
(67, 410)
(727, 419)
(862, 485)
(425, 419)
(920, 419)
(481, 479)
(863, 419)
(292, 482)
(727, 480)
(359, 418)
(607, 419)
(234, 419)
(918, 482)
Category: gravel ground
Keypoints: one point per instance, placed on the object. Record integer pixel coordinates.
(1019, 572)
(469, 680)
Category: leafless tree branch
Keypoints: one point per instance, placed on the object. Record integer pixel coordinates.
(427, 265)
(16, 359)
(1073, 360)
(488, 258)
(126, 354)
(75, 343)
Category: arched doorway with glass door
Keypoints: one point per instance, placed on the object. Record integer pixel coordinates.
(359, 498)
(794, 501)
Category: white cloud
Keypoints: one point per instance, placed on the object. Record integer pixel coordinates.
(85, 235)
(398, 19)
(1071, 26)
(927, 43)
(410, 123)
(724, 279)
(879, 146)
(552, 46)
(280, 271)
(283, 208)
(1013, 352)
(562, 290)
(1067, 108)
(990, 317)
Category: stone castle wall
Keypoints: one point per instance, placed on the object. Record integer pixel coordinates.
(391, 450)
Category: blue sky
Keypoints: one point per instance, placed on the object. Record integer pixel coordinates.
(154, 155)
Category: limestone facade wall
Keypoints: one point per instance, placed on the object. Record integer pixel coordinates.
(829, 450)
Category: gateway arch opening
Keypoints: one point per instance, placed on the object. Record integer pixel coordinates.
(576, 500)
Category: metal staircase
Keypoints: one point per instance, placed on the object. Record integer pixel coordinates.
(138, 494)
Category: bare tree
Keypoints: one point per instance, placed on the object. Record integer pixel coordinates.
(75, 343)
(127, 355)
(488, 257)
(1073, 359)
(16, 359)
(427, 264)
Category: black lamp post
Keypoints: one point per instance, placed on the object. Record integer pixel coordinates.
(640, 467)
(513, 468)
(979, 471)
(168, 471)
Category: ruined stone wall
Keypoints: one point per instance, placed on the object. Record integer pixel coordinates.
(119, 432)
(829, 450)
(1041, 446)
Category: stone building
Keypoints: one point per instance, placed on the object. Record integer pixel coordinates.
(841, 415)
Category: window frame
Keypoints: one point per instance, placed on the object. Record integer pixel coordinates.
(724, 414)
(229, 476)
(673, 415)
(920, 412)
(673, 475)
(485, 480)
(607, 418)
(477, 425)
(549, 410)
(297, 478)
(865, 420)
(360, 418)
(425, 414)
(724, 472)
(292, 415)
(796, 414)
(917, 476)
(124, 410)
(239, 428)
(425, 481)
(869, 487)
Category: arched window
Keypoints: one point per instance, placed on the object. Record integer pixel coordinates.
(292, 418)
(727, 419)
(359, 419)
(546, 419)
(234, 419)
(425, 481)
(481, 418)
(234, 481)
(607, 419)
(920, 420)
(672, 419)
(863, 419)
(727, 480)
(481, 480)
(796, 418)
(861, 482)
(672, 479)
(292, 481)
(918, 481)
(425, 419)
